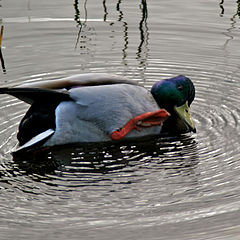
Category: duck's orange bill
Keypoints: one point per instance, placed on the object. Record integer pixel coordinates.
(145, 120)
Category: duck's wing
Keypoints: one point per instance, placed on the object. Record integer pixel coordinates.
(31, 95)
(80, 80)
(55, 90)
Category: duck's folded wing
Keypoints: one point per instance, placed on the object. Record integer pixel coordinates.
(30, 95)
(87, 79)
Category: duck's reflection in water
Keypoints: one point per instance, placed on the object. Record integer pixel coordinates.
(178, 155)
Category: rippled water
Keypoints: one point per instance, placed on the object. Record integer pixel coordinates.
(183, 187)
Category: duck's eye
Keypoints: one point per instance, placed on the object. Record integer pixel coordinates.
(187, 111)
(180, 87)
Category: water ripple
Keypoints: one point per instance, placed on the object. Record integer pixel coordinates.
(191, 180)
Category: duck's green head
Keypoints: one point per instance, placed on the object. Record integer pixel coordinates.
(176, 95)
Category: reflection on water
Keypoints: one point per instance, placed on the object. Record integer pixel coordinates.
(179, 153)
(142, 54)
(77, 18)
(238, 8)
(105, 11)
(77, 12)
(142, 50)
(125, 31)
(1, 55)
(221, 4)
(222, 8)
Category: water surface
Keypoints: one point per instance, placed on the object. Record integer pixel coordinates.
(184, 187)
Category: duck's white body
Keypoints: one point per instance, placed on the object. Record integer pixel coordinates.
(99, 110)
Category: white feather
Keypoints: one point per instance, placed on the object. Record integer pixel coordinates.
(40, 137)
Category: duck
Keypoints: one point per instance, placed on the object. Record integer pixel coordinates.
(98, 107)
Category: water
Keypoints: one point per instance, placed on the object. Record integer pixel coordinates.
(165, 188)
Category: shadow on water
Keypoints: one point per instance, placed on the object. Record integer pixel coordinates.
(176, 153)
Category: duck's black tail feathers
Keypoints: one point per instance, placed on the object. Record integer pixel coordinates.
(31, 95)
(41, 115)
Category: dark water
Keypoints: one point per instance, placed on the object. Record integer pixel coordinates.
(166, 188)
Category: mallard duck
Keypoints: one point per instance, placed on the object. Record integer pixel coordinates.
(101, 108)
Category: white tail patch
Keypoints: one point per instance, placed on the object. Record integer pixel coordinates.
(37, 139)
